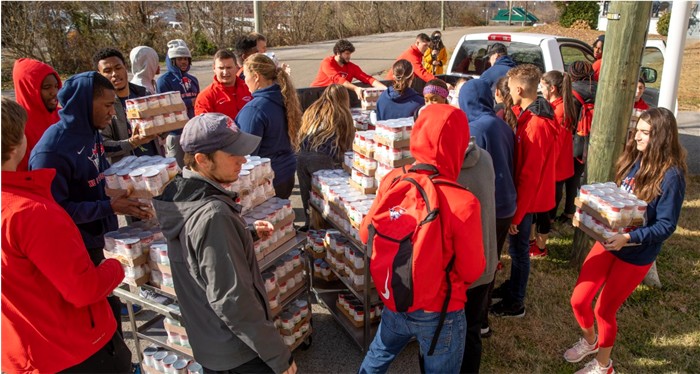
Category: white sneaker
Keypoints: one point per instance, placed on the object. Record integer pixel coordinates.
(593, 367)
(580, 350)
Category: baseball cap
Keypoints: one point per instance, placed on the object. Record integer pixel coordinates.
(499, 48)
(211, 132)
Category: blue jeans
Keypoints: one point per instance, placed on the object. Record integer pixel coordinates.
(396, 329)
(519, 251)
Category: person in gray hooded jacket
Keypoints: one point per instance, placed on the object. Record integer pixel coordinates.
(478, 176)
(144, 67)
(216, 276)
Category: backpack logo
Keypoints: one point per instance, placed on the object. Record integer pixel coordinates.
(396, 213)
(386, 292)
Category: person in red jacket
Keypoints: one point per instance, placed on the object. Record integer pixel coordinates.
(639, 103)
(338, 69)
(535, 139)
(556, 88)
(440, 137)
(36, 90)
(55, 314)
(414, 55)
(227, 94)
(598, 54)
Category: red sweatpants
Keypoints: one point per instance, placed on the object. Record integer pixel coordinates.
(617, 278)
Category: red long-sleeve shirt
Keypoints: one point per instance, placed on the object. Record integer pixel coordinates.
(565, 143)
(330, 72)
(415, 57)
(217, 98)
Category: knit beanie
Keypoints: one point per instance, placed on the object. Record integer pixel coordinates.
(178, 48)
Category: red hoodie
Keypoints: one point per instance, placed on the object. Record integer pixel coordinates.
(27, 76)
(440, 137)
(565, 141)
(415, 57)
(217, 98)
(55, 312)
(535, 147)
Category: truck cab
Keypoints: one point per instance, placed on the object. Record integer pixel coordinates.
(548, 52)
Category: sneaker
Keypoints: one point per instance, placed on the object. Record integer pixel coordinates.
(486, 332)
(136, 308)
(154, 296)
(535, 251)
(593, 367)
(580, 350)
(506, 308)
(500, 292)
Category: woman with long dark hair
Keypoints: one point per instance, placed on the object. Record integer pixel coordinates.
(653, 167)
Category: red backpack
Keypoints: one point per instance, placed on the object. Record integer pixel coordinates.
(405, 244)
(583, 128)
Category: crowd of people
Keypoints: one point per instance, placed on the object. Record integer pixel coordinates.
(504, 149)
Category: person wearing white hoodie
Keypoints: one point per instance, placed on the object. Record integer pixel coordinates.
(144, 67)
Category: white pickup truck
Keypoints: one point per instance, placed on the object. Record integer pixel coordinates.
(548, 52)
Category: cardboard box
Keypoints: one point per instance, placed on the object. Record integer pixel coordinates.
(594, 235)
(140, 260)
(296, 327)
(367, 172)
(347, 315)
(138, 281)
(362, 151)
(404, 143)
(595, 214)
(155, 130)
(278, 243)
(135, 113)
(366, 191)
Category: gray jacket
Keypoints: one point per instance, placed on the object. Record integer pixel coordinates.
(217, 280)
(478, 176)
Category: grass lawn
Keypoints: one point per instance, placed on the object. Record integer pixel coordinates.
(658, 329)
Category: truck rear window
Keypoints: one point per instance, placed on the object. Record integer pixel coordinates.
(471, 57)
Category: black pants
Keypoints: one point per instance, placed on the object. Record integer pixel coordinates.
(283, 188)
(254, 366)
(97, 255)
(114, 357)
(475, 310)
(572, 185)
(502, 226)
(543, 223)
(307, 164)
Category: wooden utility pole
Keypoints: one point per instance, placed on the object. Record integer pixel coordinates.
(628, 22)
(257, 16)
(442, 15)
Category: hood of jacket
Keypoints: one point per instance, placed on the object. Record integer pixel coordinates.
(476, 100)
(186, 194)
(587, 89)
(170, 64)
(144, 65)
(505, 61)
(472, 155)
(542, 108)
(272, 93)
(75, 99)
(403, 97)
(27, 76)
(440, 137)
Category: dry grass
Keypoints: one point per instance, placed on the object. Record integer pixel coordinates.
(659, 329)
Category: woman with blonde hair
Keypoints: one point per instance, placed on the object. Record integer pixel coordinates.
(326, 133)
(399, 100)
(274, 115)
(653, 167)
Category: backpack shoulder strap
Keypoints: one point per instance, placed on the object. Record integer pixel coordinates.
(578, 97)
(425, 167)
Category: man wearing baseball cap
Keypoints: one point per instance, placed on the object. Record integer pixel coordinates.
(178, 61)
(500, 64)
(217, 280)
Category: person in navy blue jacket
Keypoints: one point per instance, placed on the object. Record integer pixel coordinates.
(497, 138)
(74, 147)
(500, 64)
(653, 167)
(274, 114)
(178, 61)
(399, 100)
